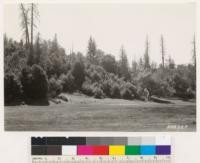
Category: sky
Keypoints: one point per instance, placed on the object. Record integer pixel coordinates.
(114, 25)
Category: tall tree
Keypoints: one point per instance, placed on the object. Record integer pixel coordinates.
(25, 23)
(37, 49)
(162, 51)
(123, 62)
(92, 49)
(34, 17)
(146, 55)
(194, 51)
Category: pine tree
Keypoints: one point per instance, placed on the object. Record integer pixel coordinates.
(194, 51)
(162, 51)
(92, 49)
(124, 67)
(146, 55)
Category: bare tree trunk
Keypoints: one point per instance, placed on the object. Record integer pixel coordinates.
(162, 51)
(31, 58)
(25, 17)
(31, 25)
(194, 51)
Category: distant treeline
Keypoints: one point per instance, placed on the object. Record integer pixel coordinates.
(38, 70)
(36, 76)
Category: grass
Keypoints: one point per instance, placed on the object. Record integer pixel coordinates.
(83, 113)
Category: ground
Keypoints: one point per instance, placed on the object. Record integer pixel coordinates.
(84, 113)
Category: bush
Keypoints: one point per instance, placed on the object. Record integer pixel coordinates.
(132, 89)
(115, 91)
(34, 84)
(12, 90)
(106, 88)
(87, 88)
(55, 87)
(98, 93)
(126, 94)
(67, 82)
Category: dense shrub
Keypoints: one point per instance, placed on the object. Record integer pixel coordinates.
(87, 88)
(67, 82)
(126, 94)
(106, 87)
(34, 84)
(132, 89)
(12, 89)
(55, 87)
(98, 93)
(128, 91)
(115, 91)
(78, 73)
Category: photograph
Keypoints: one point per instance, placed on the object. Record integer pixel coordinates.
(122, 67)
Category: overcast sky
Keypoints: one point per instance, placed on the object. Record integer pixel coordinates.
(114, 25)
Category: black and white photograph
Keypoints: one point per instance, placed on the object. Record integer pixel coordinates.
(127, 67)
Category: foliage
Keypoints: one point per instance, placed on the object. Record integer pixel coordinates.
(12, 89)
(115, 91)
(55, 87)
(78, 73)
(67, 82)
(109, 64)
(92, 49)
(97, 74)
(98, 93)
(34, 83)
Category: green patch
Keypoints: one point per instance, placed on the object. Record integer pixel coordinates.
(132, 150)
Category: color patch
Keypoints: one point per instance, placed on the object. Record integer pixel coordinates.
(163, 140)
(116, 150)
(38, 141)
(163, 150)
(148, 141)
(147, 150)
(39, 150)
(132, 150)
(84, 150)
(54, 150)
(69, 150)
(134, 140)
(100, 150)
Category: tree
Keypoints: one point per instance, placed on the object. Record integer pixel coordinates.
(108, 63)
(37, 49)
(146, 55)
(171, 63)
(12, 89)
(78, 73)
(91, 53)
(194, 51)
(134, 67)
(162, 51)
(34, 17)
(34, 84)
(25, 23)
(123, 63)
(55, 45)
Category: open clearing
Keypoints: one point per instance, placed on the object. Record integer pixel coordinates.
(83, 113)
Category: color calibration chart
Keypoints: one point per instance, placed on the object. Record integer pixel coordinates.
(101, 149)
